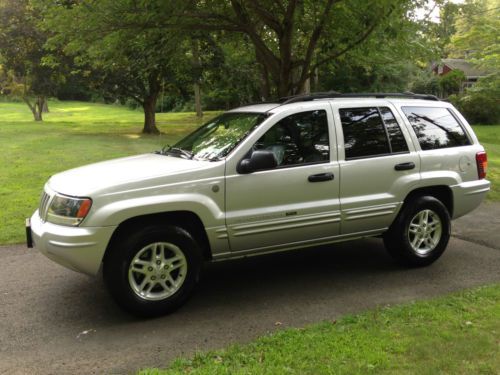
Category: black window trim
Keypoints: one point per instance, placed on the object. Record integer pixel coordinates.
(385, 128)
(386, 135)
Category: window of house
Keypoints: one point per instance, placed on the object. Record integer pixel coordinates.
(298, 139)
(436, 127)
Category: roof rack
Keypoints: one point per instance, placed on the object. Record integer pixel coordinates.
(335, 95)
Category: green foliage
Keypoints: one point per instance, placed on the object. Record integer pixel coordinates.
(476, 36)
(22, 55)
(425, 82)
(451, 83)
(456, 334)
(442, 31)
(125, 60)
(481, 103)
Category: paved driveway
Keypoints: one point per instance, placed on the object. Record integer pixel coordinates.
(55, 321)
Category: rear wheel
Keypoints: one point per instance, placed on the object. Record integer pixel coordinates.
(420, 233)
(153, 271)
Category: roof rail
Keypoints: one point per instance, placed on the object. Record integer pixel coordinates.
(335, 95)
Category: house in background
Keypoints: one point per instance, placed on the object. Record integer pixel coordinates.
(472, 73)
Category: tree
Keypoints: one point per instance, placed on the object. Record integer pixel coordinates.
(445, 28)
(476, 36)
(130, 62)
(22, 56)
(476, 39)
(386, 62)
(292, 39)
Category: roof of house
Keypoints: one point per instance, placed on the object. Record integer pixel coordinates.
(465, 66)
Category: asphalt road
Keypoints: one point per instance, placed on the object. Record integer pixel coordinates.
(55, 321)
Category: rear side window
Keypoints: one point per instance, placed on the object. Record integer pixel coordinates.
(371, 132)
(436, 127)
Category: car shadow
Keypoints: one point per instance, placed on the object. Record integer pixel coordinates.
(247, 282)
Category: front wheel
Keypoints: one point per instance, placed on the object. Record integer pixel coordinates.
(153, 271)
(420, 233)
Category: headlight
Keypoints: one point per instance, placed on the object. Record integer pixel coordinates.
(68, 210)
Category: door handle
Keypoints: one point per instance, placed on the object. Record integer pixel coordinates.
(404, 166)
(320, 177)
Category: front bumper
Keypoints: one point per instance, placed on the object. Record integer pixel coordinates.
(78, 248)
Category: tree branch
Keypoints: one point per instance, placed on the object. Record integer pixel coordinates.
(313, 41)
(355, 43)
(268, 56)
(267, 17)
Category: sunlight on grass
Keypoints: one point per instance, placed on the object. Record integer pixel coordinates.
(456, 334)
(71, 135)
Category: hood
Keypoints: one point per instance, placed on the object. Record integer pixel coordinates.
(119, 173)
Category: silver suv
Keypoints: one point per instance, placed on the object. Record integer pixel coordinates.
(271, 177)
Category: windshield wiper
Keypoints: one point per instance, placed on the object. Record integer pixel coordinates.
(177, 151)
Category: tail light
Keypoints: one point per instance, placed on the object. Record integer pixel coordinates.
(482, 164)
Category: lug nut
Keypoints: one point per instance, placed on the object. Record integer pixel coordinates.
(166, 267)
(158, 262)
(153, 277)
(150, 269)
(163, 276)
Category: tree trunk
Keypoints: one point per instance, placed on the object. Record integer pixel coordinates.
(45, 108)
(149, 106)
(40, 103)
(197, 100)
(33, 108)
(197, 79)
(306, 87)
(265, 85)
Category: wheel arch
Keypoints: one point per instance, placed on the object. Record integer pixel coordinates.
(187, 220)
(441, 192)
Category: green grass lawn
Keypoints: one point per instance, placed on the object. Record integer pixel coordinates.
(72, 134)
(456, 334)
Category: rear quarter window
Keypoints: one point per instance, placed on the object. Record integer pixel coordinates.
(436, 127)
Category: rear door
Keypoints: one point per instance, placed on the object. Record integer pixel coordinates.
(378, 165)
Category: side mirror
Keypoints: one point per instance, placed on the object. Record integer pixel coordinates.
(260, 160)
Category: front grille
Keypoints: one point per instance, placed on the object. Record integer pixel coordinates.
(44, 205)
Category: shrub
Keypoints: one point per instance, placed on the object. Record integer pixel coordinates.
(481, 103)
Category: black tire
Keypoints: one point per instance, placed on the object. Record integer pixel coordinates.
(398, 239)
(127, 248)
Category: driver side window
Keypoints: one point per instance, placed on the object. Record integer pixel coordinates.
(301, 138)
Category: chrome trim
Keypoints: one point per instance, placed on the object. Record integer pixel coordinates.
(368, 212)
(43, 208)
(277, 225)
(221, 233)
(72, 245)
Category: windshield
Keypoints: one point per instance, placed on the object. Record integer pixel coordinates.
(217, 138)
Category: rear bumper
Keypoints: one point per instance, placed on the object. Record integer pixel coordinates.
(78, 248)
(467, 196)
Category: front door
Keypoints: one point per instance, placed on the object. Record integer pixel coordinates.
(295, 203)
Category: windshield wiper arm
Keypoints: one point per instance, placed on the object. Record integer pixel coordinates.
(176, 150)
